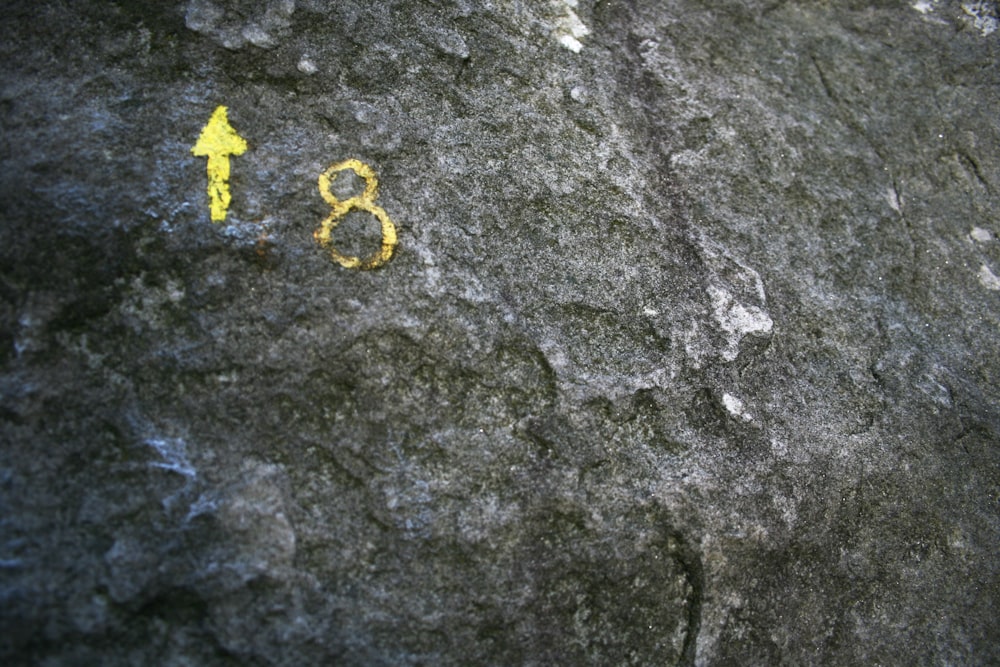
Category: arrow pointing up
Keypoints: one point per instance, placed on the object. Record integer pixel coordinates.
(218, 140)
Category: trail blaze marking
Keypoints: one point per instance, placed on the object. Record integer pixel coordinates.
(363, 202)
(219, 140)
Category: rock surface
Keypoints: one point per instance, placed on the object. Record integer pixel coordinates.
(688, 353)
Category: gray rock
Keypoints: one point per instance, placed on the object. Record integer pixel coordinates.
(687, 353)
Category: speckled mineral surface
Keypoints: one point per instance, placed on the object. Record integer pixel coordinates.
(687, 351)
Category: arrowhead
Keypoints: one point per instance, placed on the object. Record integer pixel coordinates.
(218, 138)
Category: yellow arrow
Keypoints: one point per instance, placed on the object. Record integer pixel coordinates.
(218, 140)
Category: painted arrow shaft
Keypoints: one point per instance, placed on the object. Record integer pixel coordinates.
(218, 187)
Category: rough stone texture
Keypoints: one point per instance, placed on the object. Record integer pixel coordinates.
(688, 354)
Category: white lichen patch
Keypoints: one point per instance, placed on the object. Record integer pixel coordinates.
(985, 16)
(735, 407)
(736, 307)
(892, 196)
(980, 235)
(736, 319)
(927, 9)
(988, 279)
(257, 36)
(569, 29)
(307, 66)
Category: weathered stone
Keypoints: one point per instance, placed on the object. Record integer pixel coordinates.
(687, 354)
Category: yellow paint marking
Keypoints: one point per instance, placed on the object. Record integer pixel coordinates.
(219, 140)
(363, 202)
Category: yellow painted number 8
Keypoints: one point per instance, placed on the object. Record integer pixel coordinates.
(362, 202)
